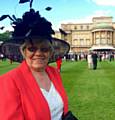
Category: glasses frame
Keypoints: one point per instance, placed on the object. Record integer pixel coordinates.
(33, 49)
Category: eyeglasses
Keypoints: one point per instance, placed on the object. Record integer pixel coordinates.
(42, 49)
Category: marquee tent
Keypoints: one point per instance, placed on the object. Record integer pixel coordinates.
(102, 47)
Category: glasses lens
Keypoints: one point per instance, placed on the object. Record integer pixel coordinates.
(32, 49)
(45, 49)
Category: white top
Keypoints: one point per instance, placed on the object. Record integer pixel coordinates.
(54, 101)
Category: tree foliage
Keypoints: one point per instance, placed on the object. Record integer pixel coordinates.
(5, 36)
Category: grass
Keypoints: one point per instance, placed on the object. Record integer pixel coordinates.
(91, 93)
(5, 66)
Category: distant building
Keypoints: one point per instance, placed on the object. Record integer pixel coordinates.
(82, 37)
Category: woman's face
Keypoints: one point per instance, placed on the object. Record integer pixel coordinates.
(37, 54)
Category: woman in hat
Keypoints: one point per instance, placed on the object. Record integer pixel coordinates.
(33, 90)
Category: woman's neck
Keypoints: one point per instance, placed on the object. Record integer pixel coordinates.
(42, 79)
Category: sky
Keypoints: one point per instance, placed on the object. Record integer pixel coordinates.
(63, 11)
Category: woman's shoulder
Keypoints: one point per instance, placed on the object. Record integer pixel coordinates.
(9, 74)
(52, 68)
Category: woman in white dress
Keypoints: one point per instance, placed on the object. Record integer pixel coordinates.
(89, 60)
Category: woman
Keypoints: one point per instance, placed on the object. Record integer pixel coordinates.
(89, 60)
(33, 90)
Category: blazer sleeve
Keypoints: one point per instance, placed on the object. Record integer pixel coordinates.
(10, 103)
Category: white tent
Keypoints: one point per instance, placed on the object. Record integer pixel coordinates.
(102, 47)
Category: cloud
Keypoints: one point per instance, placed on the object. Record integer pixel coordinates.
(102, 13)
(87, 19)
(103, 2)
(8, 28)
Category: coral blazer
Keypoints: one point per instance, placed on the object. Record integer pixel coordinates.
(21, 97)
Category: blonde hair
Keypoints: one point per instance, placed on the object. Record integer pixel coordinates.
(27, 42)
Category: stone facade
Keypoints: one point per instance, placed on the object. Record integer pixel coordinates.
(83, 37)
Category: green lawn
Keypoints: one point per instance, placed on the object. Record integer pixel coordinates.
(91, 93)
(6, 66)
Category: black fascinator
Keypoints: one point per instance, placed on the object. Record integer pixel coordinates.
(31, 24)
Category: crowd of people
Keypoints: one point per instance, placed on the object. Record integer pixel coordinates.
(92, 57)
(105, 55)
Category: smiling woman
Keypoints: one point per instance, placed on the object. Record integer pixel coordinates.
(33, 87)
(37, 53)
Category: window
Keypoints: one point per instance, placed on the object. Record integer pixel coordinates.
(87, 41)
(103, 41)
(87, 27)
(109, 41)
(75, 27)
(75, 41)
(81, 27)
(97, 41)
(81, 42)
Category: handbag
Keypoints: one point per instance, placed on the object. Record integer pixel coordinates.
(69, 116)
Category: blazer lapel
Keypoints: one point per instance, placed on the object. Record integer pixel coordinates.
(57, 81)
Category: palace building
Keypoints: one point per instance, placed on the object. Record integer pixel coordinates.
(98, 35)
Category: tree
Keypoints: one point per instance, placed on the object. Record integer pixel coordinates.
(5, 36)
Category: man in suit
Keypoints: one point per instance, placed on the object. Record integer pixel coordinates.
(94, 60)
